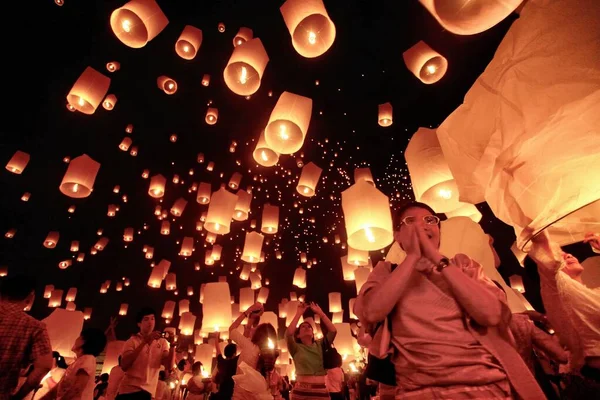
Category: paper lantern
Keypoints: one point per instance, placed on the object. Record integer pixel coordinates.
(516, 282)
(184, 306)
(74, 246)
(432, 181)
(465, 210)
(288, 123)
(157, 186)
(138, 22)
(119, 287)
(168, 309)
(55, 298)
(210, 166)
(18, 162)
(309, 179)
(211, 237)
(145, 173)
(123, 309)
(71, 294)
(187, 246)
(246, 298)
(51, 240)
(101, 243)
(242, 205)
(367, 217)
(252, 247)
(216, 309)
(48, 291)
(87, 313)
(10, 233)
(189, 42)
(212, 115)
(113, 350)
(88, 91)
(26, 196)
(220, 211)
(311, 29)
(80, 257)
(166, 84)
(156, 276)
(186, 324)
(299, 279)
(63, 328)
(171, 281)
(113, 66)
(245, 67)
(134, 151)
(215, 252)
(255, 281)
(109, 102)
(469, 17)
(125, 143)
(385, 117)
(270, 219)
(178, 207)
(425, 63)
(263, 154)
(245, 272)
(206, 80)
(221, 27)
(204, 192)
(65, 264)
(112, 210)
(243, 35)
(357, 257)
(335, 302)
(234, 181)
(263, 295)
(78, 181)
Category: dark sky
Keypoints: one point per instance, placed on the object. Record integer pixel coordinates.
(363, 68)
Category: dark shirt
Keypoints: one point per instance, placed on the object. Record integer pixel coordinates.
(226, 368)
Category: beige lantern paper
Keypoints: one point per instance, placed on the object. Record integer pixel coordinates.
(187, 246)
(263, 295)
(189, 42)
(335, 302)
(166, 84)
(55, 298)
(288, 123)
(234, 181)
(168, 309)
(386, 114)
(255, 281)
(178, 207)
(263, 154)
(204, 192)
(216, 308)
(88, 91)
(252, 247)
(465, 210)
(245, 67)
(270, 219)
(309, 178)
(469, 17)
(220, 212)
(300, 278)
(78, 181)
(246, 298)
(114, 348)
(367, 217)
(425, 63)
(171, 281)
(212, 115)
(156, 276)
(186, 324)
(242, 205)
(357, 257)
(109, 102)
(51, 240)
(245, 272)
(364, 174)
(243, 35)
(71, 294)
(311, 29)
(157, 186)
(138, 22)
(18, 162)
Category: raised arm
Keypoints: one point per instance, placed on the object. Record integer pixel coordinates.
(291, 329)
(244, 315)
(324, 320)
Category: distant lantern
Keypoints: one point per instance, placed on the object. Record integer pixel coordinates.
(243, 36)
(221, 27)
(134, 151)
(470, 17)
(149, 252)
(210, 166)
(18, 162)
(48, 291)
(367, 217)
(171, 281)
(220, 212)
(357, 257)
(432, 181)
(65, 264)
(156, 276)
(234, 181)
(425, 63)
(255, 281)
(78, 181)
(189, 42)
(113, 66)
(299, 278)
(311, 29)
(270, 219)
(288, 123)
(138, 22)
(26, 196)
(516, 282)
(215, 253)
(55, 298)
(157, 186)
(173, 137)
(125, 143)
(212, 115)
(242, 205)
(119, 287)
(80, 257)
(123, 309)
(71, 108)
(178, 207)
(252, 247)
(186, 324)
(216, 308)
(145, 173)
(88, 91)
(204, 193)
(117, 189)
(10, 233)
(168, 309)
(263, 295)
(74, 246)
(263, 154)
(87, 313)
(101, 244)
(335, 302)
(166, 84)
(128, 235)
(309, 179)
(109, 102)
(112, 210)
(165, 227)
(364, 174)
(245, 67)
(206, 80)
(466, 210)
(129, 128)
(51, 240)
(385, 115)
(187, 246)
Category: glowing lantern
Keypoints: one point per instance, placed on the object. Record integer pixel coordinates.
(278, 254)
(263, 295)
(156, 276)
(245, 273)
(55, 298)
(129, 128)
(70, 306)
(335, 302)
(125, 143)
(117, 189)
(212, 115)
(189, 42)
(51, 240)
(270, 219)
(18, 162)
(234, 181)
(255, 281)
(187, 246)
(221, 27)
(243, 35)
(101, 244)
(123, 309)
(263, 154)
(211, 238)
(252, 247)
(425, 63)
(309, 179)
(128, 235)
(367, 217)
(26, 196)
(48, 291)
(134, 151)
(71, 209)
(10, 233)
(311, 29)
(385, 114)
(363, 174)
(465, 210)
(300, 278)
(186, 324)
(184, 306)
(204, 192)
(469, 17)
(516, 282)
(78, 181)
(178, 207)
(145, 174)
(357, 257)
(112, 210)
(87, 313)
(166, 84)
(113, 66)
(71, 294)
(216, 308)
(242, 205)
(80, 257)
(210, 166)
(74, 246)
(288, 123)
(215, 253)
(119, 287)
(88, 91)
(220, 211)
(245, 67)
(165, 227)
(138, 22)
(168, 309)
(109, 102)
(64, 264)
(206, 80)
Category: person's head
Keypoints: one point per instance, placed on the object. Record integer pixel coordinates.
(196, 368)
(337, 361)
(572, 266)
(104, 377)
(415, 213)
(146, 320)
(230, 350)
(17, 289)
(162, 375)
(90, 341)
(119, 361)
(304, 331)
(59, 361)
(181, 364)
(262, 334)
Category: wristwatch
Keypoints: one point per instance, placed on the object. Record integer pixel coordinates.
(444, 262)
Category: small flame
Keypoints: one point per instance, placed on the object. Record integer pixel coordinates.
(445, 193)
(81, 101)
(186, 48)
(75, 188)
(244, 76)
(263, 155)
(431, 69)
(369, 235)
(126, 24)
(312, 37)
(270, 344)
(283, 132)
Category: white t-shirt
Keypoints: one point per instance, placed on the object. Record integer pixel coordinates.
(334, 380)
(143, 373)
(114, 380)
(85, 364)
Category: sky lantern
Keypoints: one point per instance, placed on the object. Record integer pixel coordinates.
(71, 294)
(145, 173)
(125, 143)
(80, 257)
(246, 67)
(109, 102)
(189, 42)
(88, 91)
(168, 309)
(187, 246)
(112, 210)
(216, 309)
(204, 192)
(263, 154)
(10, 233)
(252, 247)
(221, 27)
(242, 205)
(123, 309)
(307, 184)
(212, 115)
(171, 281)
(166, 84)
(156, 277)
(364, 174)
(263, 295)
(113, 66)
(149, 252)
(18, 162)
(367, 217)
(211, 238)
(101, 243)
(465, 210)
(137, 22)
(55, 298)
(386, 114)
(243, 35)
(432, 181)
(78, 181)
(245, 272)
(87, 313)
(335, 302)
(186, 324)
(311, 29)
(26, 196)
(299, 279)
(288, 123)
(65, 264)
(51, 240)
(134, 151)
(74, 246)
(516, 282)
(357, 257)
(128, 235)
(48, 291)
(129, 128)
(205, 80)
(469, 17)
(425, 63)
(220, 211)
(270, 219)
(157, 186)
(234, 181)
(255, 281)
(215, 252)
(178, 207)
(165, 227)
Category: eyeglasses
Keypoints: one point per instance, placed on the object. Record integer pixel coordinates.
(428, 219)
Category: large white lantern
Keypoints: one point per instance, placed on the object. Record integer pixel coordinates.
(216, 309)
(288, 123)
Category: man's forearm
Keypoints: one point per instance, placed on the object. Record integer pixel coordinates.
(32, 382)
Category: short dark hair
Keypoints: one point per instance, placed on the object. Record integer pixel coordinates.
(60, 360)
(94, 341)
(162, 375)
(143, 312)
(196, 368)
(399, 213)
(230, 350)
(104, 377)
(17, 287)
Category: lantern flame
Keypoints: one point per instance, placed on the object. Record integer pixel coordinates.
(186, 48)
(369, 235)
(126, 24)
(244, 76)
(75, 188)
(264, 156)
(445, 193)
(283, 132)
(312, 37)
(431, 69)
